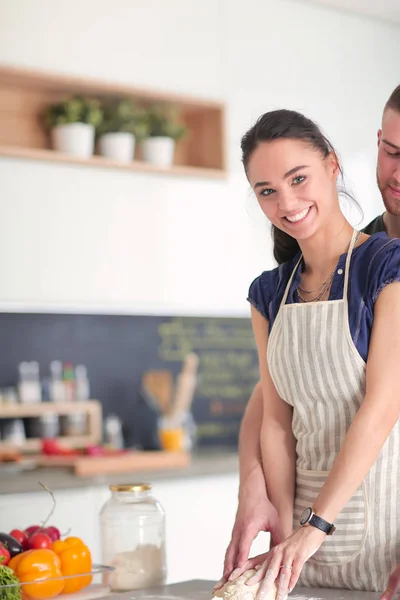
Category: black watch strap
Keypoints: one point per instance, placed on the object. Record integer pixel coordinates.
(321, 524)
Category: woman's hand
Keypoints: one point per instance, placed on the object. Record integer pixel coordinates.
(284, 562)
(255, 514)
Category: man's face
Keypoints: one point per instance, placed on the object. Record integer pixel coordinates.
(388, 167)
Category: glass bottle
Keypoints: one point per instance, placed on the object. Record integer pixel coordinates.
(132, 525)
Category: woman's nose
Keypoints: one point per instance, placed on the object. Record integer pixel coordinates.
(287, 200)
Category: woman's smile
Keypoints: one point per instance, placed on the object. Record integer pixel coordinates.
(298, 217)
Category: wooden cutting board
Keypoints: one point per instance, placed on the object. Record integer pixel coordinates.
(130, 462)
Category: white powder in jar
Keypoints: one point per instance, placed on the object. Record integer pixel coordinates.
(139, 568)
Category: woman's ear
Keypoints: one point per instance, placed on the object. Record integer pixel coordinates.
(333, 164)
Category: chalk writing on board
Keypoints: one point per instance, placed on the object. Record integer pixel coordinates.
(180, 336)
(228, 365)
(216, 430)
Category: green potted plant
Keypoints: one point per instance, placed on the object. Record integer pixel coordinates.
(163, 129)
(72, 124)
(122, 125)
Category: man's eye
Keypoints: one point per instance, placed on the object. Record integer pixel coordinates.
(394, 154)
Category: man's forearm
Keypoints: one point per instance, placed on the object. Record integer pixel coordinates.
(250, 462)
(279, 460)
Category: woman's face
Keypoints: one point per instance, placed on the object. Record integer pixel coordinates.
(295, 186)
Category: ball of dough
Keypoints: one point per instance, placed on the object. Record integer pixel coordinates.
(238, 590)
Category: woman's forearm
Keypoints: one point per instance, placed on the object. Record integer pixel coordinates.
(279, 463)
(360, 449)
(378, 413)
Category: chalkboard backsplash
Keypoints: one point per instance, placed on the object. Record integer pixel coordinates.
(118, 349)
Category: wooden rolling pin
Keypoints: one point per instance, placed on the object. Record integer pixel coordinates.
(185, 387)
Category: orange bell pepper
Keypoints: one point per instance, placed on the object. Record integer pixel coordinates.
(39, 572)
(75, 559)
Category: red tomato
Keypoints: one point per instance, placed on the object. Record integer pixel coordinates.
(40, 541)
(21, 537)
(31, 530)
(4, 555)
(52, 532)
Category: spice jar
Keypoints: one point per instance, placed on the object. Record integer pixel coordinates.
(132, 525)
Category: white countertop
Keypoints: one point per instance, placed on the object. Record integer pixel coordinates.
(202, 590)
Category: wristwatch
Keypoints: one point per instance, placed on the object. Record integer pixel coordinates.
(310, 518)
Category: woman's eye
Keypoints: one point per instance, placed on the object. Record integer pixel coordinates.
(267, 192)
(298, 179)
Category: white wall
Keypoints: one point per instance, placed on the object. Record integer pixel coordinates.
(74, 238)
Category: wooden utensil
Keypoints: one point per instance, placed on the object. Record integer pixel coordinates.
(185, 387)
(160, 385)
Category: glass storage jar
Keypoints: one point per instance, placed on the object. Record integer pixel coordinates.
(132, 526)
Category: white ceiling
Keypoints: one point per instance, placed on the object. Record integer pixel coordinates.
(389, 10)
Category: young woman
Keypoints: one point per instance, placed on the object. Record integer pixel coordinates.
(327, 328)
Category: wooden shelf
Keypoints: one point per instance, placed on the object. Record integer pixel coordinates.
(19, 411)
(92, 408)
(24, 94)
(45, 155)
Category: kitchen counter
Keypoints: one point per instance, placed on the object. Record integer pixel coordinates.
(15, 479)
(202, 590)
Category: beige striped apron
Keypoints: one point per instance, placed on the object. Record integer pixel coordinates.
(317, 369)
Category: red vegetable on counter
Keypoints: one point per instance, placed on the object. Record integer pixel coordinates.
(40, 541)
(53, 448)
(4, 555)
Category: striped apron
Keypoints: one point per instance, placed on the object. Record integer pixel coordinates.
(317, 369)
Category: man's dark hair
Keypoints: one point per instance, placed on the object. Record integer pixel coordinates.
(394, 100)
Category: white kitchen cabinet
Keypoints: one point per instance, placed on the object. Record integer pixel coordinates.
(200, 514)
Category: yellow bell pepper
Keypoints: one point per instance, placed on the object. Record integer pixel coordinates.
(75, 559)
(39, 572)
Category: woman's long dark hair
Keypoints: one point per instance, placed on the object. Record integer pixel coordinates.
(286, 124)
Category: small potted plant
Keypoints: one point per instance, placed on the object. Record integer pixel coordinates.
(163, 130)
(72, 124)
(122, 124)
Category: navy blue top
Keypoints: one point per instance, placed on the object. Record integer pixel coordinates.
(373, 265)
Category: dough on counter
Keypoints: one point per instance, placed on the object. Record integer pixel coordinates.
(238, 590)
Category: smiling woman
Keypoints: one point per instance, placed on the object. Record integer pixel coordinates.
(293, 171)
(323, 321)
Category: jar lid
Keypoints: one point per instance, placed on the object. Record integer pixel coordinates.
(130, 487)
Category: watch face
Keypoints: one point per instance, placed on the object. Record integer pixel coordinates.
(306, 516)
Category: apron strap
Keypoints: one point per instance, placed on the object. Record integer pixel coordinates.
(285, 295)
(347, 267)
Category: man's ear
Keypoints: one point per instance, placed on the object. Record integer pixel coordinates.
(379, 136)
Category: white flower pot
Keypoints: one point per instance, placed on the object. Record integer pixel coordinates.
(159, 151)
(74, 138)
(117, 146)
